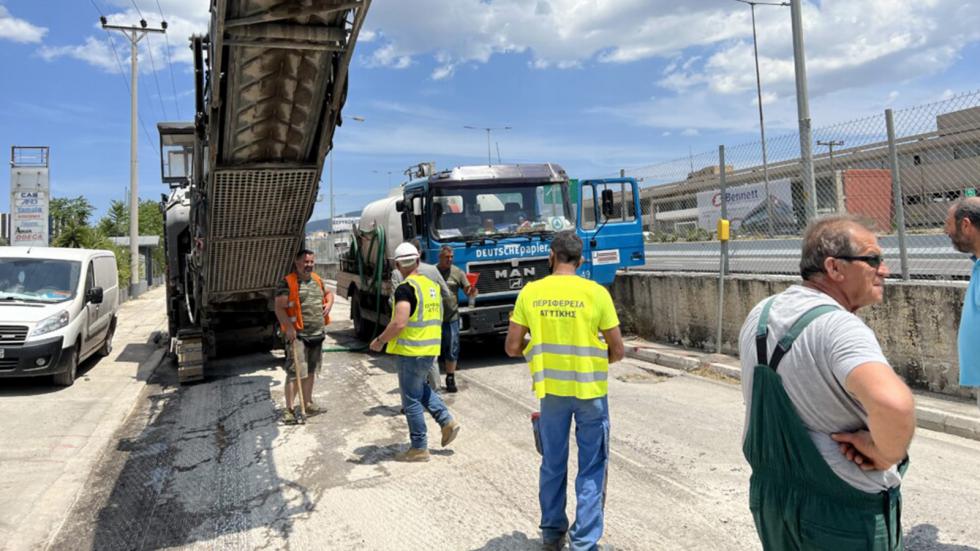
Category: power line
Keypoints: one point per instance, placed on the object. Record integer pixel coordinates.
(138, 10)
(170, 63)
(153, 67)
(122, 74)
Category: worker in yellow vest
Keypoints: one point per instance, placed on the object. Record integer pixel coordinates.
(414, 334)
(564, 314)
(302, 307)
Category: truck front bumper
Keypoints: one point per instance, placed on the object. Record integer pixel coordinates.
(484, 320)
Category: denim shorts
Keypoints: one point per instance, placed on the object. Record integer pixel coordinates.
(450, 341)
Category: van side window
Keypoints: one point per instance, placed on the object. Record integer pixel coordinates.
(90, 277)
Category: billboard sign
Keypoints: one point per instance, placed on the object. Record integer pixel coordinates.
(29, 218)
(747, 208)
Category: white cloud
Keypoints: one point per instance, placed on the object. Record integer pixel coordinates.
(184, 18)
(19, 30)
(707, 46)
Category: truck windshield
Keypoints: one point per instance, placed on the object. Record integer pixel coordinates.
(38, 280)
(471, 211)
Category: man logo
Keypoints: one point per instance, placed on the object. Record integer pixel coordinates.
(526, 271)
(516, 283)
(432, 293)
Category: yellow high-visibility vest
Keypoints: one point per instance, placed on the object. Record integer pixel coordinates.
(565, 354)
(423, 334)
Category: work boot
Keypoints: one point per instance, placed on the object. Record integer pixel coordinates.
(413, 455)
(449, 432)
(288, 418)
(451, 383)
(313, 409)
(556, 545)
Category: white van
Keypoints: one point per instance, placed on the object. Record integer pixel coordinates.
(57, 307)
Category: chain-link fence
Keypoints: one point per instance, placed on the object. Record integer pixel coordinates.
(936, 148)
(328, 247)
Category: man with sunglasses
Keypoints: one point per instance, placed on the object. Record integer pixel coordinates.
(963, 229)
(828, 422)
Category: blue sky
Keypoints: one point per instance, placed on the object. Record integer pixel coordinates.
(594, 85)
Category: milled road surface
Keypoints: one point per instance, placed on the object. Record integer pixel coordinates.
(210, 466)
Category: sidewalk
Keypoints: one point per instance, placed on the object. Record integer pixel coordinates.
(933, 412)
(53, 437)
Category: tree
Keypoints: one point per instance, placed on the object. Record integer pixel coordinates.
(65, 213)
(115, 223)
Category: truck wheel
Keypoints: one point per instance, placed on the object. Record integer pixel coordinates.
(67, 377)
(362, 327)
(106, 347)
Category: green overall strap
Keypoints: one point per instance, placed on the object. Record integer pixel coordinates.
(784, 344)
(762, 334)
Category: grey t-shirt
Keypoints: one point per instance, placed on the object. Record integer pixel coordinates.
(429, 271)
(814, 372)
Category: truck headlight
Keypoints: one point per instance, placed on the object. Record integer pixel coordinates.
(53, 323)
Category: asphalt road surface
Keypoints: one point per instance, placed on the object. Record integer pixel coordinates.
(929, 256)
(209, 466)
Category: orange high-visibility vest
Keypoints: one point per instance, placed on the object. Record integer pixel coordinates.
(294, 309)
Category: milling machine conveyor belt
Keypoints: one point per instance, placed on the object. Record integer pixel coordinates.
(278, 81)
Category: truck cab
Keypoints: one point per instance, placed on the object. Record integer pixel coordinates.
(500, 219)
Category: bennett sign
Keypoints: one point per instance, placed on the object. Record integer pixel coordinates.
(747, 206)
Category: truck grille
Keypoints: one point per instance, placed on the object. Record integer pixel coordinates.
(505, 277)
(12, 335)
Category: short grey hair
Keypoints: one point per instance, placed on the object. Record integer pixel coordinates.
(968, 208)
(567, 246)
(828, 237)
(445, 248)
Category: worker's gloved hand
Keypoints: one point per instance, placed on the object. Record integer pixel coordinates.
(290, 333)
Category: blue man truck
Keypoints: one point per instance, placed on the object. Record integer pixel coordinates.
(499, 219)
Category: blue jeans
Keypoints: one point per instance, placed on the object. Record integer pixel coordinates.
(417, 397)
(450, 341)
(592, 436)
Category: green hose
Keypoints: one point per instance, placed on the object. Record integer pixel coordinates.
(377, 239)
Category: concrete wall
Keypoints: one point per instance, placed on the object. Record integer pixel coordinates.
(916, 324)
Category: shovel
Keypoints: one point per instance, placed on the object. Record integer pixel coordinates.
(299, 363)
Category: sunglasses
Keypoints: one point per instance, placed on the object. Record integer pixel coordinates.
(875, 261)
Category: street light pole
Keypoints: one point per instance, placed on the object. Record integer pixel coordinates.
(358, 119)
(488, 130)
(803, 111)
(134, 34)
(762, 120)
(831, 144)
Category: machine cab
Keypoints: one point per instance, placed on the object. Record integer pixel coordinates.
(610, 223)
(176, 152)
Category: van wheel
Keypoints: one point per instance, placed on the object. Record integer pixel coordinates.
(106, 347)
(67, 377)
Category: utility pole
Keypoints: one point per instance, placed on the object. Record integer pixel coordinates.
(803, 110)
(134, 34)
(762, 121)
(838, 191)
(488, 130)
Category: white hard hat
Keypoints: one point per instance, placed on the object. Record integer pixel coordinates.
(406, 253)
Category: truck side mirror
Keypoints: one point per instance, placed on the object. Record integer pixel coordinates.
(400, 205)
(94, 295)
(608, 205)
(408, 226)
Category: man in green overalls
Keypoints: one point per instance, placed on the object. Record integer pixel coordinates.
(828, 421)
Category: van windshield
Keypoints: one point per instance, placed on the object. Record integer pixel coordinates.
(38, 280)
